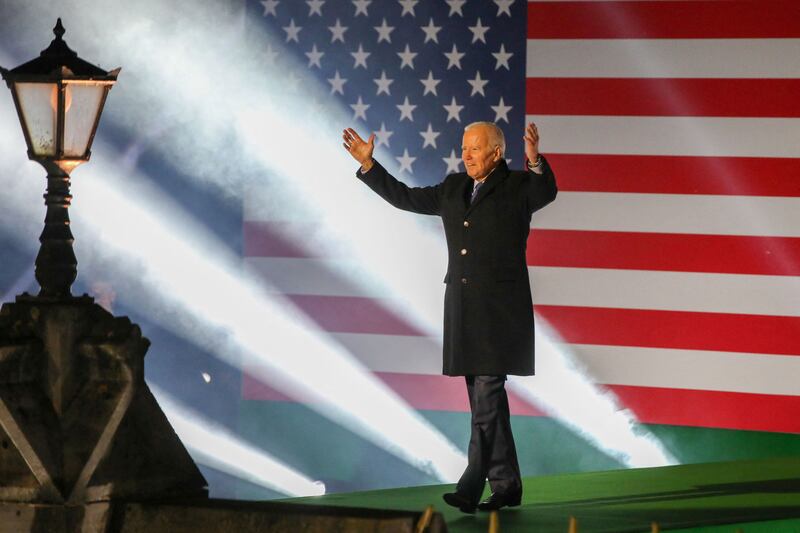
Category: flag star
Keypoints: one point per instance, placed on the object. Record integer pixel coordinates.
(293, 81)
(477, 84)
(455, 7)
(406, 110)
(314, 57)
(315, 7)
(407, 58)
(337, 83)
(382, 135)
(360, 57)
(269, 7)
(405, 161)
(502, 57)
(360, 109)
(503, 6)
(453, 110)
(454, 58)
(384, 31)
(292, 31)
(383, 83)
(408, 7)
(337, 31)
(430, 136)
(479, 32)
(501, 111)
(271, 55)
(431, 32)
(453, 162)
(361, 7)
(430, 84)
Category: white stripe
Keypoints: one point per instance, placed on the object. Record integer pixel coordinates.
(673, 213)
(670, 291)
(696, 136)
(310, 276)
(394, 353)
(663, 58)
(690, 369)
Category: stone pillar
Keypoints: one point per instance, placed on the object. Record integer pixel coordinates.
(78, 424)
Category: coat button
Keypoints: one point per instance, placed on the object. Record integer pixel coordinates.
(463, 251)
(464, 281)
(466, 223)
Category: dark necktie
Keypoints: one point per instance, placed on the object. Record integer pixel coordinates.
(475, 188)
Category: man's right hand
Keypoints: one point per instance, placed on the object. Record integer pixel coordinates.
(360, 150)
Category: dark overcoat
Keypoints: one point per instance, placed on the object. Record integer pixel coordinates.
(488, 311)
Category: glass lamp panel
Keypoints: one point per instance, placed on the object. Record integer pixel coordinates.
(83, 102)
(38, 102)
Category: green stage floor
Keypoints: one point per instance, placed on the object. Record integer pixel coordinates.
(757, 496)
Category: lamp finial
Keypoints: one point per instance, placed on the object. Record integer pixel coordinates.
(59, 30)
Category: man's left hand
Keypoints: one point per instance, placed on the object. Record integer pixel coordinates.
(531, 143)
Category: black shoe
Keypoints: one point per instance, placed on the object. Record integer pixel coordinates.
(500, 499)
(455, 499)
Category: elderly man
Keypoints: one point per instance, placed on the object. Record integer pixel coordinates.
(488, 311)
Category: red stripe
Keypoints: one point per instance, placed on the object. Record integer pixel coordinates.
(651, 405)
(730, 410)
(272, 239)
(663, 97)
(729, 254)
(663, 20)
(723, 332)
(349, 314)
(745, 176)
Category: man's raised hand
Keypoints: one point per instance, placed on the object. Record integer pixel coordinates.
(360, 150)
(532, 143)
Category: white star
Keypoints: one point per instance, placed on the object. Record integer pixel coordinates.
(453, 162)
(384, 31)
(337, 83)
(360, 109)
(430, 136)
(503, 6)
(454, 58)
(453, 110)
(271, 55)
(292, 31)
(479, 32)
(382, 135)
(455, 7)
(269, 7)
(360, 57)
(502, 57)
(408, 7)
(293, 81)
(406, 110)
(314, 56)
(337, 31)
(430, 84)
(477, 84)
(361, 7)
(501, 111)
(315, 6)
(407, 58)
(431, 32)
(405, 161)
(383, 84)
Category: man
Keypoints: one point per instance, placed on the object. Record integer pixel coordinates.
(488, 312)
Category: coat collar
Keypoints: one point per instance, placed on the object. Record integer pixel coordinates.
(495, 177)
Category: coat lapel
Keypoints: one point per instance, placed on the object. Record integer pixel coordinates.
(494, 178)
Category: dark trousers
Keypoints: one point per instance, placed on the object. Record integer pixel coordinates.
(492, 454)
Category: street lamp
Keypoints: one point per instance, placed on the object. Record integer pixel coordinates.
(59, 98)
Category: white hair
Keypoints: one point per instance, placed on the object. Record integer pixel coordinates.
(496, 137)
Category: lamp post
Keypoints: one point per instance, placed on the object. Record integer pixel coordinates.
(78, 424)
(59, 98)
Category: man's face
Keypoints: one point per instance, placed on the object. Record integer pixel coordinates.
(479, 158)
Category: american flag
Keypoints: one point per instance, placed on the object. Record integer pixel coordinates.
(670, 262)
